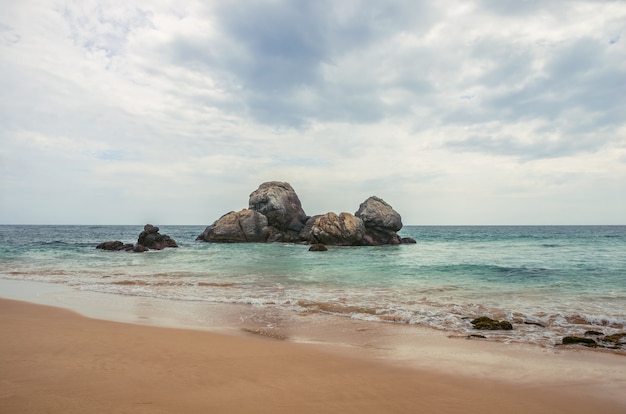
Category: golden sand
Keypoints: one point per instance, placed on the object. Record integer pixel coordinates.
(55, 361)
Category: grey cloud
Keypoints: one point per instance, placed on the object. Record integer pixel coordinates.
(516, 8)
(540, 148)
(270, 52)
(578, 78)
(99, 29)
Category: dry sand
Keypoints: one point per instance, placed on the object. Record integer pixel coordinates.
(55, 361)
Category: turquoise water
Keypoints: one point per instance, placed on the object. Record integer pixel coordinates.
(569, 279)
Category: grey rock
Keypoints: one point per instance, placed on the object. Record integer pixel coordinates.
(344, 229)
(237, 227)
(280, 204)
(381, 222)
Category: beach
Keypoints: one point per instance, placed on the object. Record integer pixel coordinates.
(272, 327)
(57, 361)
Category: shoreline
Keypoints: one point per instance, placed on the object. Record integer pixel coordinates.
(559, 375)
(58, 361)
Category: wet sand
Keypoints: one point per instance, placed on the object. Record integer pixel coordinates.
(56, 361)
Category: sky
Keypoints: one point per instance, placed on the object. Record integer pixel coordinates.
(503, 112)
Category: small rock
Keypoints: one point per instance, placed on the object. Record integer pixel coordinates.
(487, 323)
(594, 333)
(318, 247)
(407, 240)
(570, 340)
(152, 239)
(139, 248)
(617, 339)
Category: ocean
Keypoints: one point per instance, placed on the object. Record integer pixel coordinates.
(548, 281)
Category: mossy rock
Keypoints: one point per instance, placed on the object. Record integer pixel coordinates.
(570, 340)
(617, 339)
(487, 323)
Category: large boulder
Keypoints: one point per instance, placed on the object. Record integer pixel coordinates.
(152, 239)
(381, 222)
(336, 230)
(280, 204)
(237, 227)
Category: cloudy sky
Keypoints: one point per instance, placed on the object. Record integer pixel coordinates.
(173, 112)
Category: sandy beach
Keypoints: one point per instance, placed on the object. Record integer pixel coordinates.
(57, 361)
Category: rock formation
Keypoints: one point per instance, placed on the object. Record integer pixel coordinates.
(152, 239)
(149, 238)
(337, 230)
(280, 204)
(275, 214)
(237, 227)
(115, 245)
(381, 222)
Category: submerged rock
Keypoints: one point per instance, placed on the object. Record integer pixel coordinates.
(318, 247)
(487, 323)
(617, 339)
(114, 245)
(569, 340)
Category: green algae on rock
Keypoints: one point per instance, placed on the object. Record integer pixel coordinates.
(486, 323)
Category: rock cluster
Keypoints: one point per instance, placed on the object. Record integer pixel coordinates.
(152, 239)
(615, 341)
(149, 238)
(275, 214)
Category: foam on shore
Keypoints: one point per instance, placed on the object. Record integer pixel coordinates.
(566, 370)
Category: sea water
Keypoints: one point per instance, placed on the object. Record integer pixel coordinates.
(549, 281)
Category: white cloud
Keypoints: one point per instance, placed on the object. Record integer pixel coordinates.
(454, 112)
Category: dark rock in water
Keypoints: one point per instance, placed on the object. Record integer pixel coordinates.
(149, 238)
(337, 230)
(408, 240)
(470, 336)
(318, 247)
(594, 333)
(375, 223)
(152, 239)
(114, 246)
(487, 323)
(237, 227)
(381, 222)
(569, 340)
(280, 204)
(617, 339)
